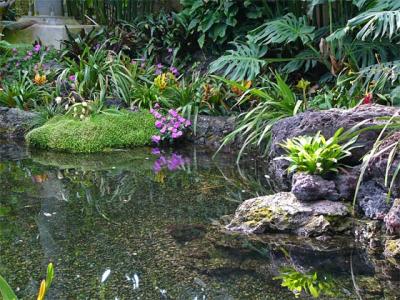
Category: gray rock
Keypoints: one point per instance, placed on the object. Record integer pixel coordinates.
(14, 123)
(392, 219)
(283, 212)
(373, 201)
(346, 182)
(368, 233)
(10, 150)
(308, 187)
(211, 130)
(378, 165)
(328, 122)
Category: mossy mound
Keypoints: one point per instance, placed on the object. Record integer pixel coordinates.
(94, 134)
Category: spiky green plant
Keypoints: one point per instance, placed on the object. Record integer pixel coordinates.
(317, 155)
(274, 101)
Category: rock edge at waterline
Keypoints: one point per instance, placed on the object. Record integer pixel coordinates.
(283, 212)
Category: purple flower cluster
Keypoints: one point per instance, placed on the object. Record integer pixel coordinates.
(171, 126)
(29, 54)
(172, 69)
(159, 68)
(172, 162)
(37, 48)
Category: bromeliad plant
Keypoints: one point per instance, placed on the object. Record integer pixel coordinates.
(22, 93)
(171, 126)
(316, 155)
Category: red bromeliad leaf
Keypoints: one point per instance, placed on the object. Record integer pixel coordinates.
(367, 99)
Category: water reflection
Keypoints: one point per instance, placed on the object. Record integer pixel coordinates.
(97, 215)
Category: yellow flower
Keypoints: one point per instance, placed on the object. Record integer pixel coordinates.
(303, 84)
(40, 79)
(42, 290)
(161, 81)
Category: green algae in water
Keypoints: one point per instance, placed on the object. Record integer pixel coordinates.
(147, 218)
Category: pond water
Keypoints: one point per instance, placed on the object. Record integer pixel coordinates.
(153, 222)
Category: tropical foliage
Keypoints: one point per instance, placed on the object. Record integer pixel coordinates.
(345, 53)
(272, 59)
(317, 155)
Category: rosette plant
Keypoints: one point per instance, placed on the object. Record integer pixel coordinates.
(317, 155)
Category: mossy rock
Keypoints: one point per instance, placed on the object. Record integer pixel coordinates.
(392, 249)
(97, 133)
(283, 212)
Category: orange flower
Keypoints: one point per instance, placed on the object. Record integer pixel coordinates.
(245, 84)
(40, 79)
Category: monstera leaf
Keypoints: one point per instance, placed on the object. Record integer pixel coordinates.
(245, 62)
(285, 29)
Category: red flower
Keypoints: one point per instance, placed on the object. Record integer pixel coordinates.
(367, 99)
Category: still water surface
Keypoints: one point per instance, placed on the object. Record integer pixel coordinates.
(152, 222)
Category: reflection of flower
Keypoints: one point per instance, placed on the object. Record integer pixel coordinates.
(171, 162)
(155, 151)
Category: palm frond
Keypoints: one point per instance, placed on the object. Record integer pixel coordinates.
(366, 53)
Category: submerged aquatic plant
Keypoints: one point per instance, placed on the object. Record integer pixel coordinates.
(8, 294)
(311, 283)
(315, 154)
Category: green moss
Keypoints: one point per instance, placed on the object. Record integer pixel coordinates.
(97, 133)
(260, 214)
(392, 246)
